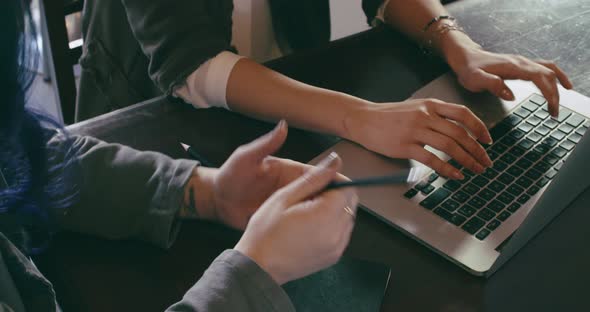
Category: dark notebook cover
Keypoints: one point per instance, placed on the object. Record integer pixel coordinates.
(349, 285)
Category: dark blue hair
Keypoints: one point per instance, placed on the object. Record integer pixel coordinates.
(38, 176)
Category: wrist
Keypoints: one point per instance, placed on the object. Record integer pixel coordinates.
(356, 119)
(199, 199)
(259, 259)
(455, 47)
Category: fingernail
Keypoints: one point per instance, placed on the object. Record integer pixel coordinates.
(458, 175)
(281, 124)
(479, 168)
(507, 95)
(329, 160)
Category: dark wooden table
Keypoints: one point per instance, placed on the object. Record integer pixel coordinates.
(551, 273)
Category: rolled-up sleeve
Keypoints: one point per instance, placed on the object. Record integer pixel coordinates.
(125, 193)
(178, 36)
(234, 282)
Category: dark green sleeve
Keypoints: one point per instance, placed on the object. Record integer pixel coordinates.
(125, 193)
(178, 36)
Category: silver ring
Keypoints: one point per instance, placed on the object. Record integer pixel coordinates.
(348, 210)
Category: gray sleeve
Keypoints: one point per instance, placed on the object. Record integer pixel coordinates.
(179, 36)
(125, 193)
(234, 282)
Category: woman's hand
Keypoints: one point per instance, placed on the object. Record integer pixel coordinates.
(401, 130)
(300, 229)
(250, 176)
(479, 70)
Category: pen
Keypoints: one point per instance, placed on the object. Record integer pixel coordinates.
(196, 156)
(405, 176)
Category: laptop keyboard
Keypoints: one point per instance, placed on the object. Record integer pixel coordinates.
(529, 149)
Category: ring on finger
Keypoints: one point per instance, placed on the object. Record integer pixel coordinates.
(349, 210)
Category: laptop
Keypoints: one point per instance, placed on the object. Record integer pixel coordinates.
(482, 221)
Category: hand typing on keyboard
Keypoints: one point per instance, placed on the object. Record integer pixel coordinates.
(401, 130)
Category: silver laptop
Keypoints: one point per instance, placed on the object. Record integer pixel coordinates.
(480, 222)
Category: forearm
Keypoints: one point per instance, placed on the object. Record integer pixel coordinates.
(257, 91)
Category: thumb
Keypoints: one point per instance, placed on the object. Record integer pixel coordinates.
(313, 181)
(267, 144)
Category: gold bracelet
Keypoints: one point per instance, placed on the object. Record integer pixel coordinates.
(439, 31)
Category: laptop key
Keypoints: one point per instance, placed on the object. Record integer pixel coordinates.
(451, 205)
(551, 173)
(533, 174)
(493, 155)
(526, 144)
(558, 166)
(533, 190)
(467, 211)
(542, 166)
(533, 120)
(531, 106)
(542, 182)
(508, 157)
(499, 148)
(427, 189)
(515, 190)
(460, 196)
(452, 185)
(559, 152)
(564, 113)
(581, 131)
(496, 206)
(567, 145)
(522, 112)
(542, 149)
(508, 140)
(457, 219)
(505, 178)
(518, 150)
(496, 186)
(487, 194)
(443, 213)
(514, 207)
(436, 198)
(500, 165)
(551, 142)
(471, 188)
(515, 171)
(533, 156)
(516, 134)
(537, 99)
(535, 137)
(500, 130)
(480, 181)
(524, 181)
(473, 225)
(494, 224)
(486, 214)
(541, 114)
(490, 173)
(410, 193)
(551, 159)
(421, 185)
(542, 130)
(512, 120)
(525, 127)
(504, 215)
(558, 135)
(432, 177)
(575, 120)
(575, 138)
(523, 163)
(523, 199)
(476, 202)
(482, 234)
(505, 197)
(565, 128)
